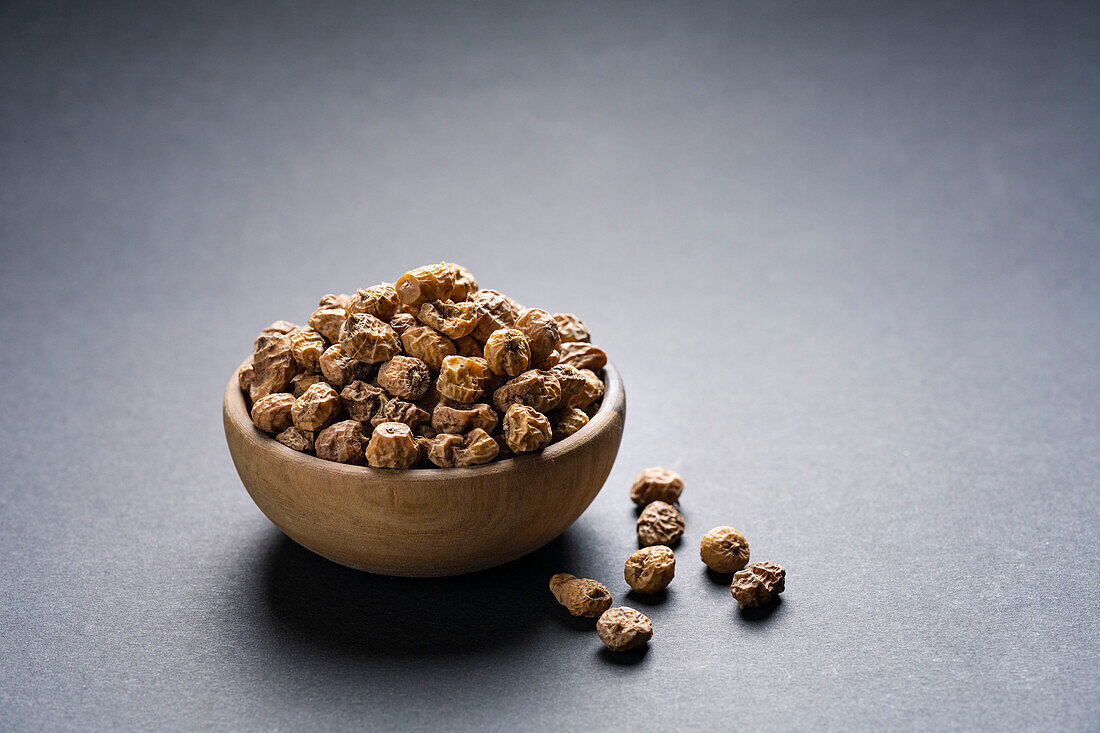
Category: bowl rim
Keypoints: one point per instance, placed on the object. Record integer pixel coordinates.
(613, 404)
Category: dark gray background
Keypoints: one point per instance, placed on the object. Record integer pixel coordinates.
(845, 257)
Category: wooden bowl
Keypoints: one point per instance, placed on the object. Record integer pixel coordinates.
(426, 522)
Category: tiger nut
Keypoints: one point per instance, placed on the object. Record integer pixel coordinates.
(271, 413)
(724, 550)
(316, 408)
(660, 524)
(429, 346)
(656, 484)
(462, 378)
(526, 429)
(367, 338)
(431, 282)
(580, 596)
(392, 446)
(624, 628)
(453, 320)
(758, 584)
(507, 352)
(650, 569)
(344, 442)
(474, 448)
(405, 377)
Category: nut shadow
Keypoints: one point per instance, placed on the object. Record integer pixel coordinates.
(762, 614)
(648, 599)
(716, 578)
(629, 658)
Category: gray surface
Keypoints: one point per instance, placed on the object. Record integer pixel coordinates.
(845, 259)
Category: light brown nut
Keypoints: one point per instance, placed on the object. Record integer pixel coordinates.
(472, 449)
(379, 300)
(580, 596)
(303, 381)
(583, 356)
(758, 584)
(427, 345)
(316, 408)
(453, 320)
(344, 442)
(307, 345)
(392, 446)
(571, 328)
(402, 322)
(507, 352)
(465, 284)
(660, 524)
(624, 628)
(431, 282)
(424, 430)
(494, 312)
(406, 377)
(650, 569)
(363, 401)
(567, 421)
(328, 322)
(370, 339)
(579, 387)
(541, 332)
(271, 413)
(423, 445)
(468, 346)
(273, 366)
(296, 439)
(278, 328)
(402, 412)
(540, 390)
(656, 484)
(525, 429)
(340, 369)
(724, 550)
(334, 301)
(245, 374)
(464, 418)
(462, 378)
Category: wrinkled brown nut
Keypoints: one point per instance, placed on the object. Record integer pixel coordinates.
(340, 369)
(540, 390)
(344, 442)
(271, 413)
(392, 446)
(494, 312)
(465, 284)
(327, 322)
(316, 408)
(542, 334)
(307, 345)
(660, 524)
(571, 328)
(580, 596)
(724, 550)
(370, 339)
(462, 419)
(650, 569)
(505, 451)
(427, 345)
(303, 381)
(402, 412)
(507, 352)
(362, 400)
(278, 328)
(453, 320)
(462, 378)
(579, 387)
(583, 356)
(245, 374)
(567, 421)
(296, 439)
(380, 301)
(758, 584)
(405, 377)
(656, 484)
(430, 401)
(624, 628)
(474, 448)
(334, 301)
(273, 366)
(431, 282)
(424, 430)
(526, 429)
(402, 322)
(468, 346)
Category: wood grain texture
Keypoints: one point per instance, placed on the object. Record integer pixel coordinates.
(426, 522)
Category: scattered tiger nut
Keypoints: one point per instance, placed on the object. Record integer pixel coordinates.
(471, 449)
(494, 312)
(464, 282)
(405, 377)
(507, 352)
(271, 413)
(453, 320)
(363, 401)
(340, 369)
(427, 345)
(402, 412)
(273, 365)
(367, 338)
(296, 439)
(660, 524)
(316, 408)
(567, 421)
(464, 418)
(583, 356)
(758, 584)
(431, 282)
(571, 328)
(650, 569)
(526, 429)
(344, 442)
(328, 322)
(724, 550)
(392, 446)
(581, 596)
(380, 301)
(624, 628)
(462, 378)
(534, 388)
(656, 484)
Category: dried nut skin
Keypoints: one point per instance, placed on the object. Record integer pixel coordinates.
(380, 301)
(583, 356)
(296, 439)
(453, 320)
(537, 389)
(474, 448)
(303, 381)
(508, 352)
(271, 413)
(402, 412)
(363, 401)
(427, 345)
(541, 332)
(724, 550)
(316, 408)
(468, 346)
(340, 369)
(459, 420)
(650, 569)
(328, 322)
(278, 328)
(579, 387)
(307, 345)
(660, 524)
(526, 429)
(656, 484)
(245, 374)
(464, 282)
(343, 442)
(392, 446)
(431, 282)
(334, 301)
(580, 596)
(624, 628)
(567, 421)
(367, 338)
(462, 378)
(273, 365)
(402, 322)
(494, 312)
(406, 377)
(571, 328)
(758, 584)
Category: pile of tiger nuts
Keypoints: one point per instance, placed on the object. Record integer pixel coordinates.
(429, 371)
(650, 570)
